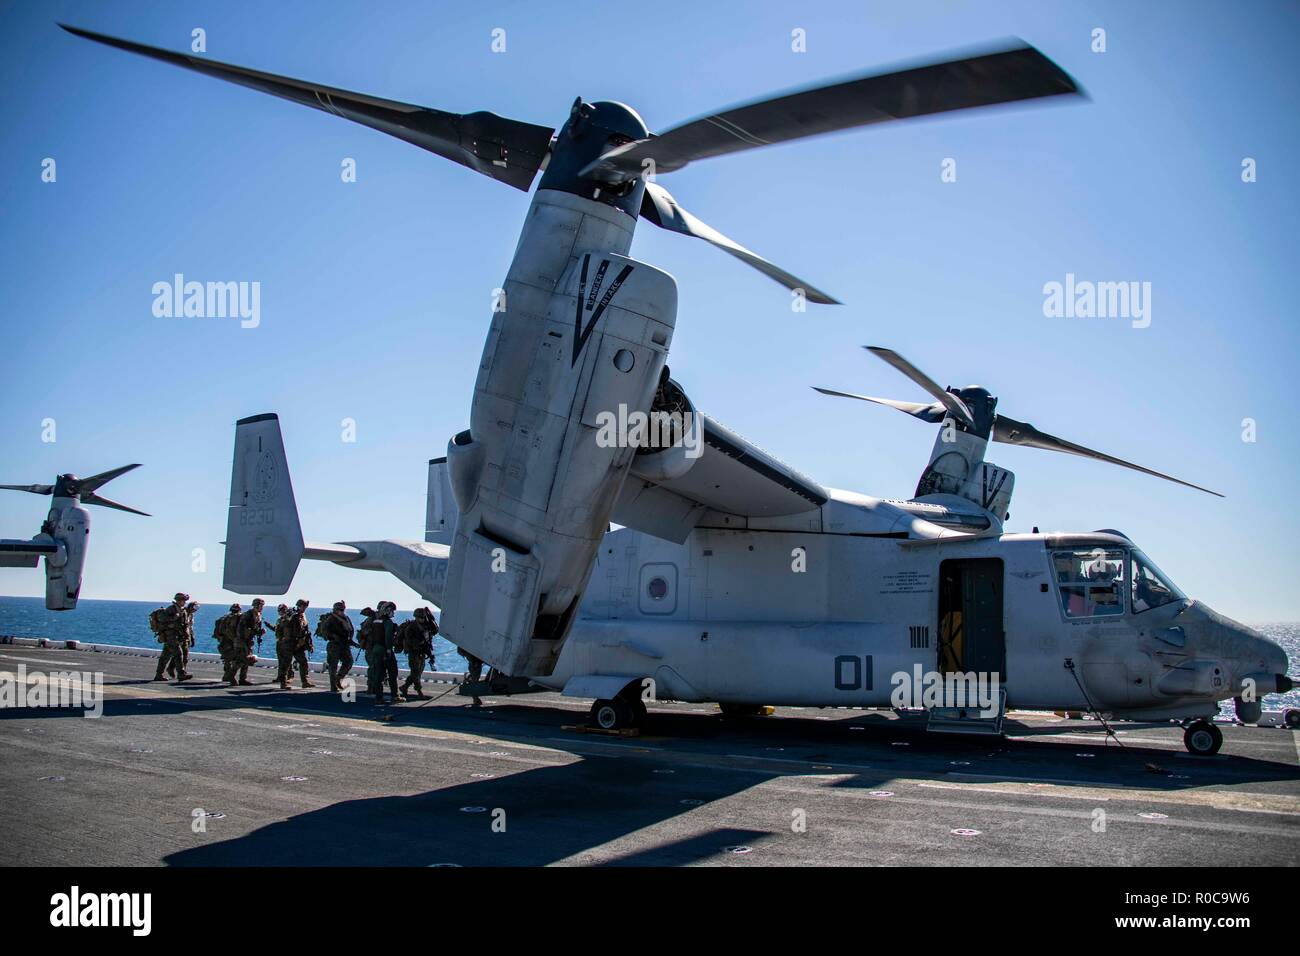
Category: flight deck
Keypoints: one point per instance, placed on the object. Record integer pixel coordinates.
(198, 774)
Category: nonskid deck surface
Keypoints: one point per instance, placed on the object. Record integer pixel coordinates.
(302, 778)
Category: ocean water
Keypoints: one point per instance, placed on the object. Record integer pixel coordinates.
(127, 623)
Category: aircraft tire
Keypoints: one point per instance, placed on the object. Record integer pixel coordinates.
(1202, 738)
(611, 714)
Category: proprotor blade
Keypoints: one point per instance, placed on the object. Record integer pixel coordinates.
(34, 489)
(947, 399)
(927, 413)
(507, 150)
(94, 499)
(1007, 75)
(659, 207)
(1012, 432)
(95, 482)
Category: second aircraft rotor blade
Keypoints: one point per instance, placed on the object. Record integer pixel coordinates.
(94, 499)
(95, 482)
(1002, 76)
(507, 150)
(1012, 432)
(947, 399)
(927, 413)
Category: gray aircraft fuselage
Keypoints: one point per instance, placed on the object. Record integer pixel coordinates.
(725, 617)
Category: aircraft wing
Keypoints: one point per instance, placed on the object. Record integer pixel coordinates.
(24, 554)
(732, 476)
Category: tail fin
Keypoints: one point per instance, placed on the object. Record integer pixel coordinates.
(263, 537)
(440, 510)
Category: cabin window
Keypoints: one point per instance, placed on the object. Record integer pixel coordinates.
(1150, 587)
(1091, 582)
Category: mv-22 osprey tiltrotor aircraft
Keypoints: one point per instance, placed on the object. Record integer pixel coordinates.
(64, 535)
(696, 598)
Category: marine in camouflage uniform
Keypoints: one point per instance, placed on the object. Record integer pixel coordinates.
(187, 641)
(415, 637)
(248, 630)
(473, 671)
(381, 662)
(223, 632)
(171, 630)
(292, 642)
(336, 628)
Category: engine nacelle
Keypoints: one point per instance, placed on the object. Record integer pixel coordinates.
(957, 467)
(68, 525)
(583, 331)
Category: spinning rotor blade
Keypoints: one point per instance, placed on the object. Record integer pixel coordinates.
(34, 489)
(927, 413)
(507, 150)
(1012, 432)
(659, 207)
(94, 482)
(948, 400)
(94, 499)
(1004, 76)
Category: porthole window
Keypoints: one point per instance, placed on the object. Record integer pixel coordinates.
(657, 589)
(624, 360)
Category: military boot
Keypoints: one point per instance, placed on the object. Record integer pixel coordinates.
(306, 682)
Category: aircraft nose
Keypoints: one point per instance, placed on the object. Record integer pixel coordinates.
(1274, 662)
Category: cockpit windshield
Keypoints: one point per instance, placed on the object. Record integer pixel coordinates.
(1091, 581)
(1151, 588)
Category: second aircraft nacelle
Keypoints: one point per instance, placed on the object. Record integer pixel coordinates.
(68, 524)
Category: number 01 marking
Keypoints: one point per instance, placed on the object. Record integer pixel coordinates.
(853, 673)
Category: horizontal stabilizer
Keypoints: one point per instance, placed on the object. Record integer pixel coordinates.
(24, 554)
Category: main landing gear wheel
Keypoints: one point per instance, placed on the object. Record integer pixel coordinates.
(1202, 738)
(614, 714)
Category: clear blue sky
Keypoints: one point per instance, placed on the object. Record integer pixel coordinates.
(376, 295)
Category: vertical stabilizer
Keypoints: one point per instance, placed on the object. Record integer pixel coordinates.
(263, 537)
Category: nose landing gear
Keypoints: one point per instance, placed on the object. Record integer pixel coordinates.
(1202, 738)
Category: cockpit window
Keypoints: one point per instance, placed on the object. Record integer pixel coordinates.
(1150, 587)
(1091, 582)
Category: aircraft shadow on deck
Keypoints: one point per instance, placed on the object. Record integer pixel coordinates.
(556, 812)
(550, 814)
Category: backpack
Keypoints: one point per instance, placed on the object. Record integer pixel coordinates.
(156, 623)
(363, 635)
(320, 626)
